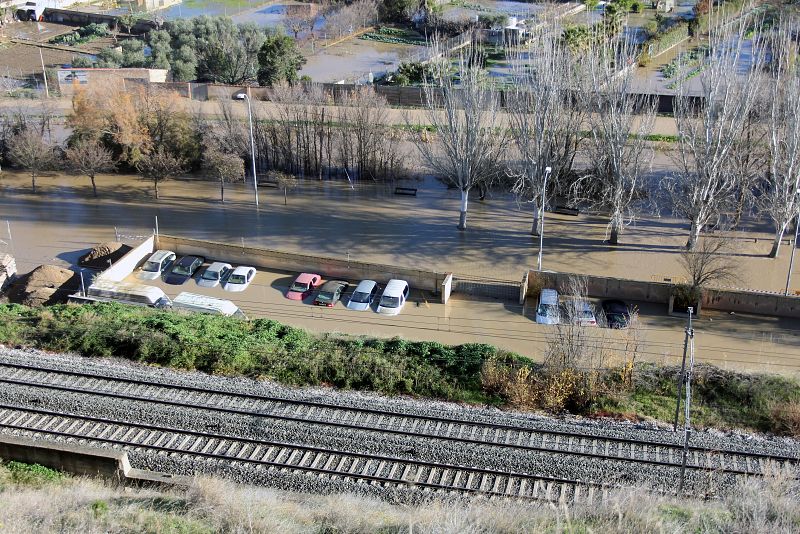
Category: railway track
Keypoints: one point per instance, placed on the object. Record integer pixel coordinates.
(385, 471)
(373, 469)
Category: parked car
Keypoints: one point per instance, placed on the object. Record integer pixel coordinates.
(214, 274)
(618, 314)
(303, 285)
(158, 263)
(183, 270)
(548, 311)
(364, 294)
(394, 296)
(330, 293)
(239, 279)
(582, 313)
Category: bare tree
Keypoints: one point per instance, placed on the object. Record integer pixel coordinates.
(545, 125)
(285, 182)
(469, 142)
(89, 158)
(227, 166)
(780, 198)
(30, 151)
(160, 164)
(709, 130)
(620, 119)
(709, 262)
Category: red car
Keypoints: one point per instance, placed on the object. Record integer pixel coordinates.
(303, 286)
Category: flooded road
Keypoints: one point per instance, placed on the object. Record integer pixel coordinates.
(364, 220)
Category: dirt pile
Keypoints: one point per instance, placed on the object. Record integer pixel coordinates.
(46, 284)
(100, 255)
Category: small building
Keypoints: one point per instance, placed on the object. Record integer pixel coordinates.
(664, 6)
(71, 78)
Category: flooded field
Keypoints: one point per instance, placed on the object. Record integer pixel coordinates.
(354, 59)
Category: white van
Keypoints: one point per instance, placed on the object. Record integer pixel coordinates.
(548, 311)
(126, 293)
(393, 298)
(193, 302)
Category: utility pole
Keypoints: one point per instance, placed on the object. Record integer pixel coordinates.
(688, 404)
(44, 75)
(681, 376)
(544, 203)
(791, 258)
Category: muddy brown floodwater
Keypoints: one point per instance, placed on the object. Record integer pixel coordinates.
(365, 221)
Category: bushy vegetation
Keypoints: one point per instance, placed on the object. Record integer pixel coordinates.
(258, 348)
(86, 34)
(264, 348)
(392, 36)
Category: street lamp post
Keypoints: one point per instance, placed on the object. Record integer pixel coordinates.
(791, 258)
(541, 230)
(244, 96)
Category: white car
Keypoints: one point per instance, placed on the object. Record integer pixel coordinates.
(214, 274)
(239, 279)
(394, 297)
(158, 263)
(548, 311)
(364, 294)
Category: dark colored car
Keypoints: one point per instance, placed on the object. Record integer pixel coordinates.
(618, 314)
(183, 270)
(330, 293)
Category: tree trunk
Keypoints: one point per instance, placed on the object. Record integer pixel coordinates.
(222, 189)
(94, 186)
(536, 227)
(155, 182)
(462, 220)
(616, 228)
(284, 196)
(694, 234)
(33, 181)
(776, 243)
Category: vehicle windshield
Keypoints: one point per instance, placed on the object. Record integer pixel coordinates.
(325, 297)
(390, 302)
(547, 310)
(151, 266)
(359, 297)
(236, 279)
(210, 275)
(181, 269)
(586, 314)
(299, 287)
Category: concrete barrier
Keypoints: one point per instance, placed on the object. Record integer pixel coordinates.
(127, 263)
(68, 457)
(293, 262)
(747, 302)
(447, 286)
(82, 460)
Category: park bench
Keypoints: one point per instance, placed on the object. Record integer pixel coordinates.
(564, 210)
(410, 191)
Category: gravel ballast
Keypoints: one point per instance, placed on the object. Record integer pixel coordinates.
(363, 441)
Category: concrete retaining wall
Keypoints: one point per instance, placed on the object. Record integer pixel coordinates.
(659, 292)
(127, 263)
(68, 457)
(746, 302)
(288, 261)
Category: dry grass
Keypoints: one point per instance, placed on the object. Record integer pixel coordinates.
(79, 505)
(785, 417)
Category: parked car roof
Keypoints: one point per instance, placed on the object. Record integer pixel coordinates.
(395, 287)
(305, 278)
(331, 285)
(365, 286)
(159, 255)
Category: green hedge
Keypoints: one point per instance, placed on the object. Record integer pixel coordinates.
(258, 348)
(663, 41)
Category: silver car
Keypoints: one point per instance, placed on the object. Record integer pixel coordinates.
(364, 294)
(214, 274)
(158, 263)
